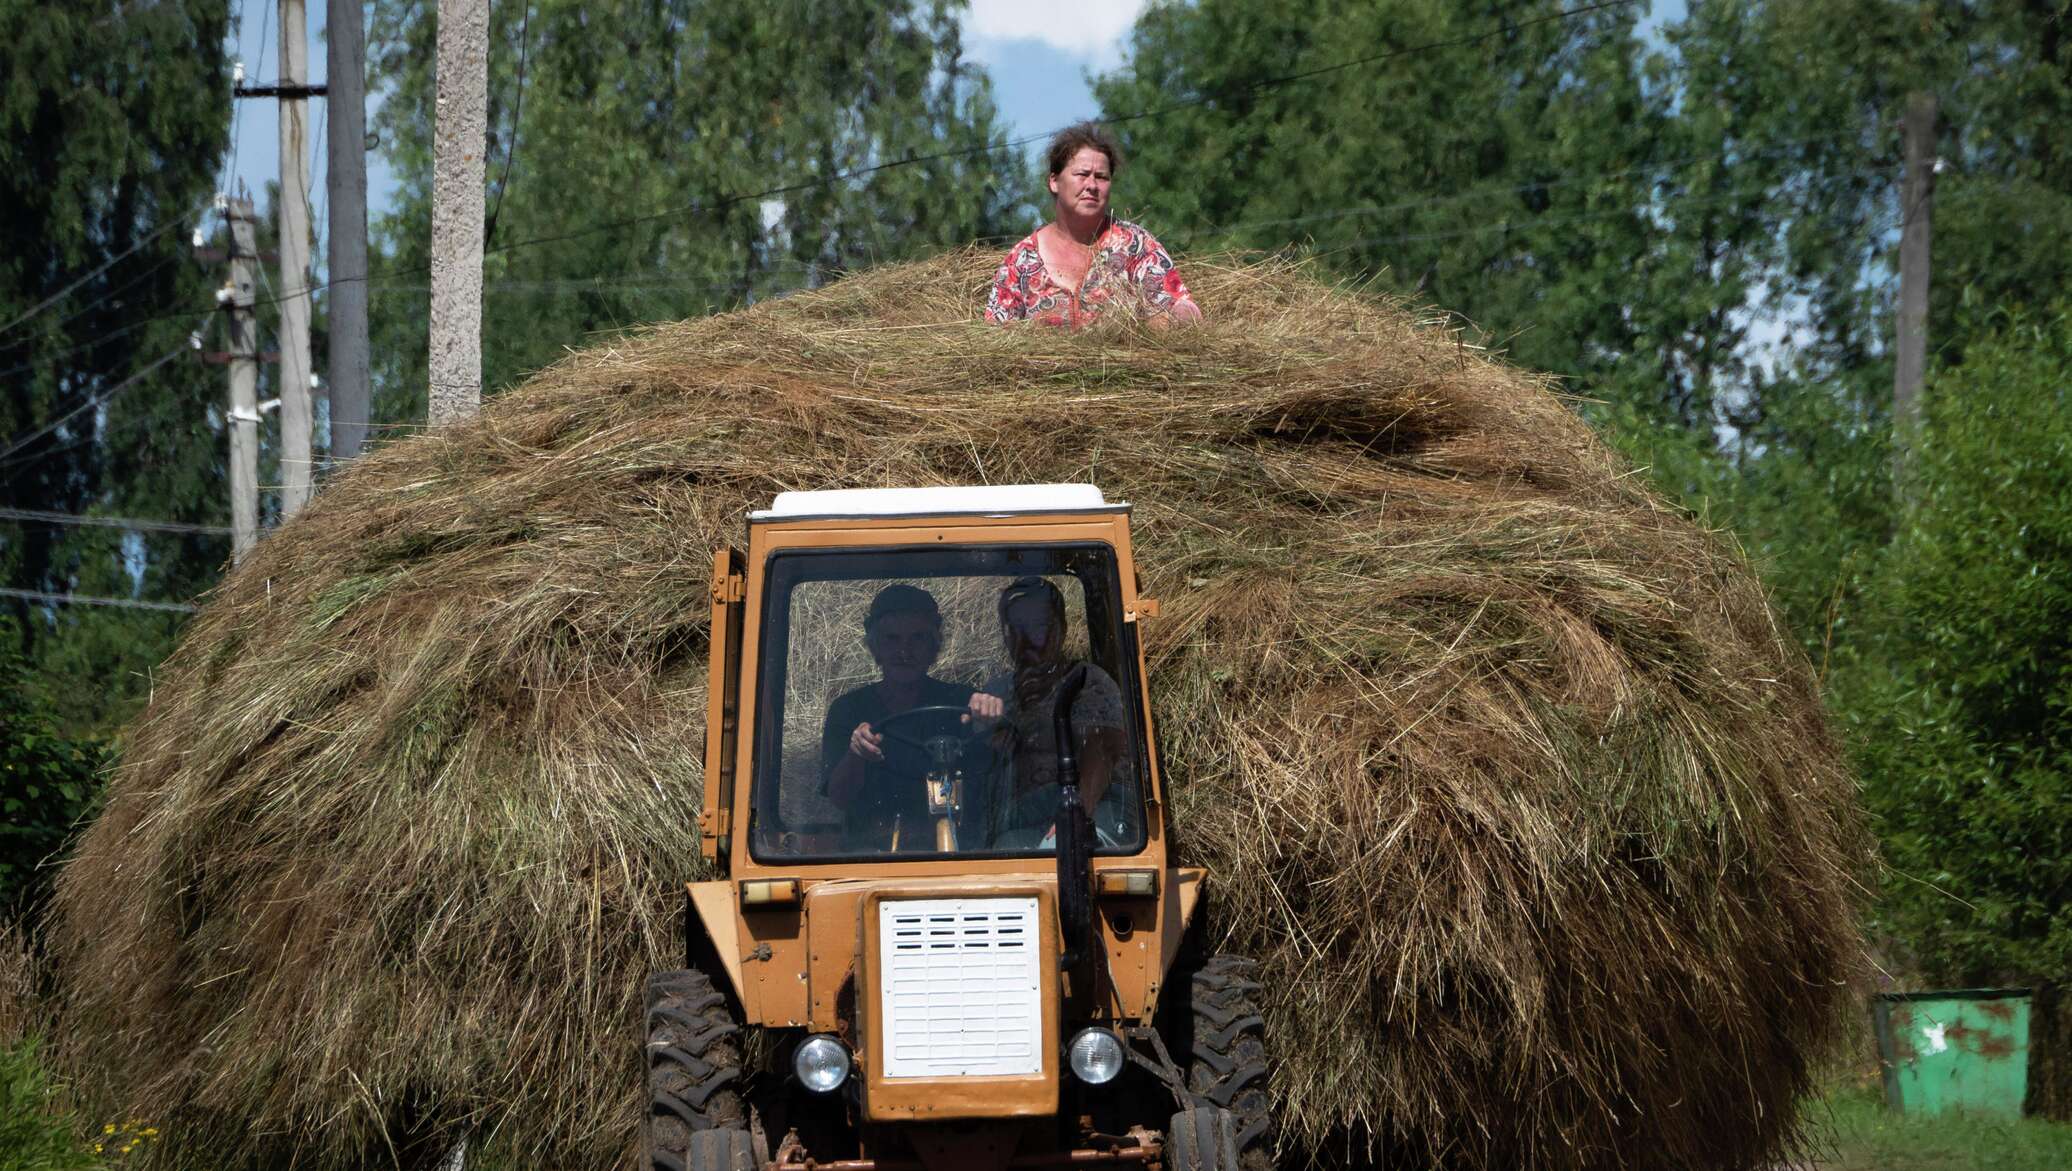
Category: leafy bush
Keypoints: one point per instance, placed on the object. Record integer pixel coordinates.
(1960, 689)
(47, 782)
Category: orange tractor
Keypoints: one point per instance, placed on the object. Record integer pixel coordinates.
(949, 930)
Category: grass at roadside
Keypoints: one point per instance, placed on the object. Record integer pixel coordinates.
(35, 1135)
(1861, 1135)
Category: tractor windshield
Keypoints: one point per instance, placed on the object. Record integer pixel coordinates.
(907, 699)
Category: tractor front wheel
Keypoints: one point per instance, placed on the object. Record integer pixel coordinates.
(1225, 1051)
(1202, 1139)
(693, 1048)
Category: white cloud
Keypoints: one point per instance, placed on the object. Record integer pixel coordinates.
(1092, 29)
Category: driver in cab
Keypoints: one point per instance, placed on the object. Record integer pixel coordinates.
(886, 806)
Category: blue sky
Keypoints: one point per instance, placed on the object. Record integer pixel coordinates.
(1040, 56)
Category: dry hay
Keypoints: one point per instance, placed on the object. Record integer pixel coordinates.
(1503, 766)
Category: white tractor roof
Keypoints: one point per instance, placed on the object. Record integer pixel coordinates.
(988, 500)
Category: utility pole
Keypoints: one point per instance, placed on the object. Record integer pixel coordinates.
(346, 110)
(459, 139)
(1917, 204)
(296, 423)
(243, 420)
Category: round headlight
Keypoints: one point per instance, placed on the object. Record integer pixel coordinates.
(821, 1063)
(1096, 1056)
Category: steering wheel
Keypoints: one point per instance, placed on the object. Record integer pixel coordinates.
(943, 747)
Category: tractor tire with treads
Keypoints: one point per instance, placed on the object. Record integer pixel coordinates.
(1226, 1055)
(1202, 1139)
(731, 1149)
(693, 1049)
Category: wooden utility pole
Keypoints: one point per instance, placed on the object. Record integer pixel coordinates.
(296, 422)
(1917, 204)
(460, 136)
(243, 419)
(346, 180)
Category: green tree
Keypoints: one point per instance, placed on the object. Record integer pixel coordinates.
(1960, 689)
(1814, 93)
(113, 120)
(1818, 91)
(1538, 174)
(617, 169)
(1643, 223)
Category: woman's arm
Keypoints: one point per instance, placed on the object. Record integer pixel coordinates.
(1159, 284)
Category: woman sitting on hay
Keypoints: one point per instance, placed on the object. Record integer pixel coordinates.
(1072, 269)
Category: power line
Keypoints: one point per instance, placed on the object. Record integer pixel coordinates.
(118, 290)
(1305, 75)
(91, 402)
(25, 461)
(88, 600)
(82, 311)
(679, 279)
(1776, 148)
(39, 516)
(517, 114)
(318, 220)
(111, 262)
(57, 329)
(111, 335)
(724, 203)
(1161, 111)
(1533, 224)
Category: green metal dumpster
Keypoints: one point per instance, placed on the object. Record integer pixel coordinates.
(1961, 1050)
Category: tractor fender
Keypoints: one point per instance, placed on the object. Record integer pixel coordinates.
(711, 930)
(1183, 897)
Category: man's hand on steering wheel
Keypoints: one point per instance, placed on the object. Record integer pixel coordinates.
(866, 743)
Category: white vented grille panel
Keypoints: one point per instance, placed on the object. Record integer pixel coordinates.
(961, 990)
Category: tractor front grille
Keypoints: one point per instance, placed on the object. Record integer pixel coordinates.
(960, 987)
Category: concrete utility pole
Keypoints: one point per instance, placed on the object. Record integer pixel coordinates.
(243, 420)
(346, 180)
(1917, 203)
(460, 136)
(296, 423)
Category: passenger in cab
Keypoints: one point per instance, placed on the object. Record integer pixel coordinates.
(1025, 803)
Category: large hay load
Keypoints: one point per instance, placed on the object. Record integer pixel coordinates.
(1501, 765)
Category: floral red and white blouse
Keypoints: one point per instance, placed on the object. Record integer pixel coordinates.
(1129, 267)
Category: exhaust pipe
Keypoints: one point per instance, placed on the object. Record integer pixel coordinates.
(1074, 828)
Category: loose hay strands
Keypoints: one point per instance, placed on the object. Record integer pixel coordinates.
(1502, 767)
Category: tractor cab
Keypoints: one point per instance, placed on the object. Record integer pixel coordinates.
(948, 919)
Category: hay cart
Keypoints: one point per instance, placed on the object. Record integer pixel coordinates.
(968, 946)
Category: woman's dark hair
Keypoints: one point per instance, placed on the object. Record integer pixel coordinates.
(901, 599)
(1075, 138)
